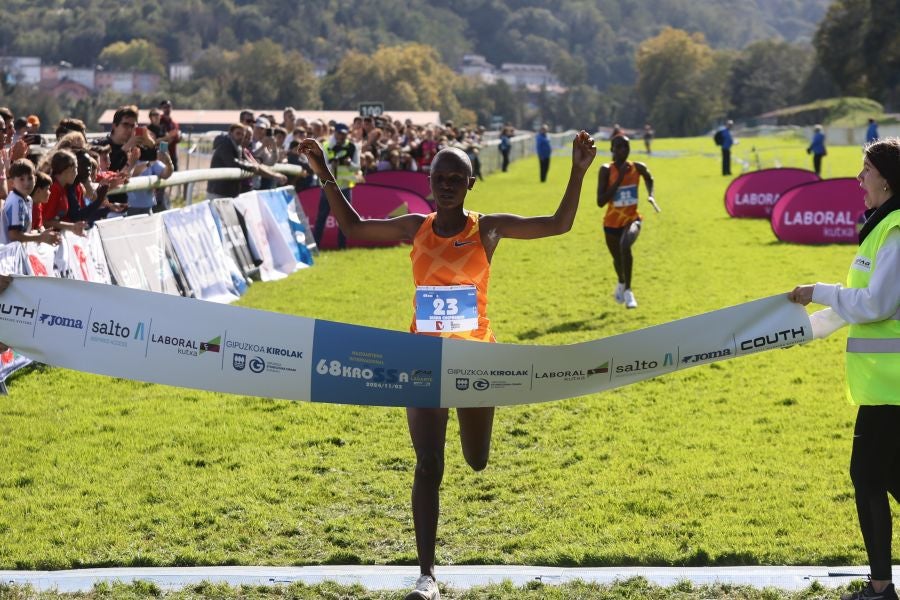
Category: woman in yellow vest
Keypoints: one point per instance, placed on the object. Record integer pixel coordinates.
(617, 189)
(871, 305)
(451, 255)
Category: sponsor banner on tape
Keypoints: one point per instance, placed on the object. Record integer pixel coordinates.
(178, 341)
(363, 365)
(158, 338)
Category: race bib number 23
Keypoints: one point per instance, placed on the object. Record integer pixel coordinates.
(446, 309)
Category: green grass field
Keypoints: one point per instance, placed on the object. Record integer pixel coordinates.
(743, 462)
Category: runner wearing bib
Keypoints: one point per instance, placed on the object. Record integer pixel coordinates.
(617, 189)
(451, 256)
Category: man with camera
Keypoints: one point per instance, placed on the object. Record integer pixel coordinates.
(154, 160)
(122, 142)
(228, 152)
(264, 149)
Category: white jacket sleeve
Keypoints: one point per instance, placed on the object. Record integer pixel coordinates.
(825, 322)
(877, 302)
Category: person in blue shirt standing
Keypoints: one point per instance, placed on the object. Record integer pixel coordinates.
(724, 139)
(817, 148)
(505, 146)
(544, 150)
(872, 131)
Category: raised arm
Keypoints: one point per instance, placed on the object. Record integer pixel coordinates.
(381, 230)
(498, 226)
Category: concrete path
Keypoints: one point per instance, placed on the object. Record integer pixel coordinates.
(460, 577)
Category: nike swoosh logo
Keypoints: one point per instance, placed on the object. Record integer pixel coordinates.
(459, 244)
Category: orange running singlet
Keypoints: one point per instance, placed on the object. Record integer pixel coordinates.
(457, 262)
(621, 210)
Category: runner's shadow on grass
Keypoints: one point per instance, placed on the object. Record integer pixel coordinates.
(567, 327)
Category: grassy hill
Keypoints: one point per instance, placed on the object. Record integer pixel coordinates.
(841, 112)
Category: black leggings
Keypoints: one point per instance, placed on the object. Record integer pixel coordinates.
(619, 242)
(875, 471)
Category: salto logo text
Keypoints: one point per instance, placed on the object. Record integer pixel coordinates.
(115, 329)
(644, 365)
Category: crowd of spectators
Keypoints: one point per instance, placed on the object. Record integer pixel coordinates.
(83, 172)
(67, 185)
(260, 141)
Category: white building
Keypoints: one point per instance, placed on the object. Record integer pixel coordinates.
(529, 76)
(475, 65)
(21, 69)
(520, 74)
(85, 77)
(181, 72)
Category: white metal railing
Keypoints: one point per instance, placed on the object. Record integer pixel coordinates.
(521, 146)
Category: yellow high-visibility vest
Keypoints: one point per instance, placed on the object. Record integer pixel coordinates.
(873, 349)
(344, 176)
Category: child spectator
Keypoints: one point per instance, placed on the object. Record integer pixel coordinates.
(15, 218)
(94, 205)
(63, 192)
(69, 125)
(39, 196)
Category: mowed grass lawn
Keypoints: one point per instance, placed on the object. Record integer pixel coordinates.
(742, 462)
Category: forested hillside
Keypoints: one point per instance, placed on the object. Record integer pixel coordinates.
(681, 64)
(591, 42)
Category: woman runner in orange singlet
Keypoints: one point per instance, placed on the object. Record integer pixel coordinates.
(617, 190)
(452, 248)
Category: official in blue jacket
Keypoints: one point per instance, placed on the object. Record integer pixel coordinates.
(727, 143)
(543, 150)
(872, 131)
(817, 148)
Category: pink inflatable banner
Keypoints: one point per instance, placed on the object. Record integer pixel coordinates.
(821, 212)
(754, 194)
(406, 180)
(370, 201)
